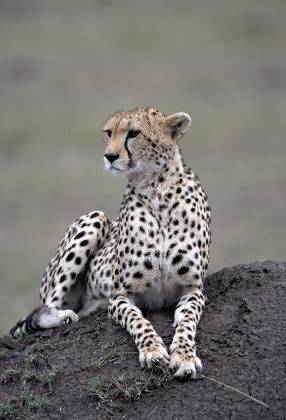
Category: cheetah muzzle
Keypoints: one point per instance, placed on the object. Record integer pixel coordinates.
(155, 254)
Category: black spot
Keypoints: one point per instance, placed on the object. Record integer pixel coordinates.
(137, 275)
(183, 270)
(62, 279)
(79, 235)
(96, 225)
(148, 264)
(93, 215)
(84, 243)
(177, 259)
(70, 256)
(78, 260)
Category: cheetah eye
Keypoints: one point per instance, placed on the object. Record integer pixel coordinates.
(108, 133)
(133, 133)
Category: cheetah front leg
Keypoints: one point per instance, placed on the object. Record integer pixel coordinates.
(188, 312)
(150, 345)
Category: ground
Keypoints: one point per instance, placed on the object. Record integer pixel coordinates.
(90, 370)
(66, 66)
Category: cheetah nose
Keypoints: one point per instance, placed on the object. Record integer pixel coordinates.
(111, 156)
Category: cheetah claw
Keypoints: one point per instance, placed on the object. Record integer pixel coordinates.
(154, 356)
(185, 366)
(68, 316)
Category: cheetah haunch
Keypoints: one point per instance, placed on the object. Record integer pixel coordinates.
(154, 255)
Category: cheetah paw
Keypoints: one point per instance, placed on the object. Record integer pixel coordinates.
(185, 365)
(68, 316)
(153, 355)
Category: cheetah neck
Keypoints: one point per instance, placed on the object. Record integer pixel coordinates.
(150, 182)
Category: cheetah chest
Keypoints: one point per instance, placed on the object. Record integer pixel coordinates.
(156, 254)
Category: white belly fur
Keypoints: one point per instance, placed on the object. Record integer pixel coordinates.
(159, 295)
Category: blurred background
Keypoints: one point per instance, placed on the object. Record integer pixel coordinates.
(67, 65)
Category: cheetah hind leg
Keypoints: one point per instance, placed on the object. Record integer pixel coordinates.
(43, 318)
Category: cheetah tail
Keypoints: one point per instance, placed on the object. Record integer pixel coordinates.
(28, 325)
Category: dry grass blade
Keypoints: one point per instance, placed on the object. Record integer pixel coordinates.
(234, 389)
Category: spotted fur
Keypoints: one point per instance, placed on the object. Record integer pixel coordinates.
(154, 255)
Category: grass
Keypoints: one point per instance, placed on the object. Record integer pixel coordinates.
(26, 405)
(31, 368)
(9, 408)
(106, 390)
(106, 358)
(38, 349)
(222, 62)
(27, 373)
(118, 385)
(3, 352)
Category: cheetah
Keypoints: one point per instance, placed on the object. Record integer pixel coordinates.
(154, 255)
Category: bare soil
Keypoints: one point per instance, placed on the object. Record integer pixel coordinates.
(90, 370)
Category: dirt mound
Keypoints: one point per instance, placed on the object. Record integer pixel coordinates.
(90, 370)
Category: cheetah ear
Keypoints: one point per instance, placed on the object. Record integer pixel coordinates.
(178, 124)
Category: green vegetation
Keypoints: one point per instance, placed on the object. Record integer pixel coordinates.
(27, 373)
(38, 349)
(119, 386)
(3, 352)
(65, 68)
(25, 405)
(31, 369)
(101, 360)
(109, 389)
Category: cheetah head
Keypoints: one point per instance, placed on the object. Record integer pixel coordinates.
(143, 140)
